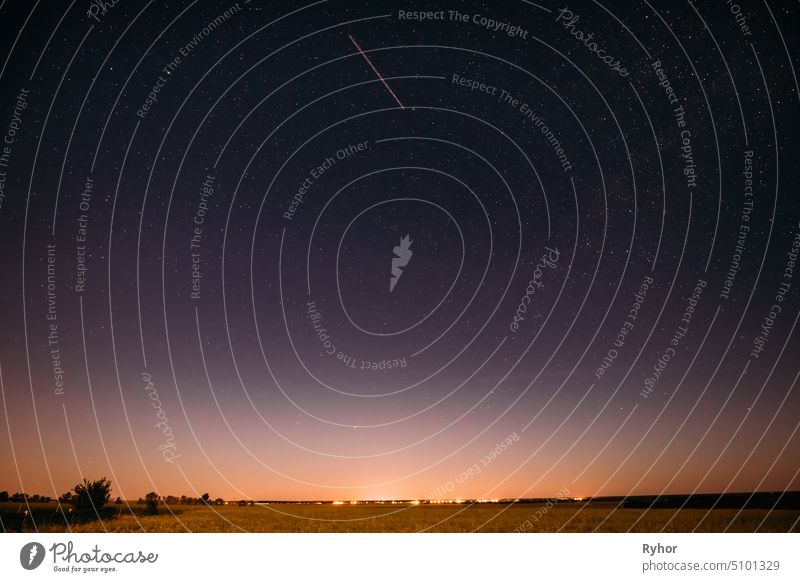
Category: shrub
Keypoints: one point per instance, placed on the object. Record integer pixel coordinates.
(151, 501)
(92, 494)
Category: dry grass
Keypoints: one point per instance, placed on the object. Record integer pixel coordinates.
(436, 518)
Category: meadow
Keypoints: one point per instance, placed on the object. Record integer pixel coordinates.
(368, 518)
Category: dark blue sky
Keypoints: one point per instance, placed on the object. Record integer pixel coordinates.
(202, 208)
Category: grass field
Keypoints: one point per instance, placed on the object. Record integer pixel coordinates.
(410, 518)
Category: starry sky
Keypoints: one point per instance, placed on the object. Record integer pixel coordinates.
(381, 250)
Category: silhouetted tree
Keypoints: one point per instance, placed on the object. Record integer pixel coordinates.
(92, 494)
(219, 501)
(4, 496)
(152, 499)
(205, 498)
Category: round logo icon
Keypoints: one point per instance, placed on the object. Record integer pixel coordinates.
(31, 555)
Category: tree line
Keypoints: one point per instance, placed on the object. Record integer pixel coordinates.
(94, 495)
(5, 497)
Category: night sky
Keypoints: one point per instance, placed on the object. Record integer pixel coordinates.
(347, 250)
